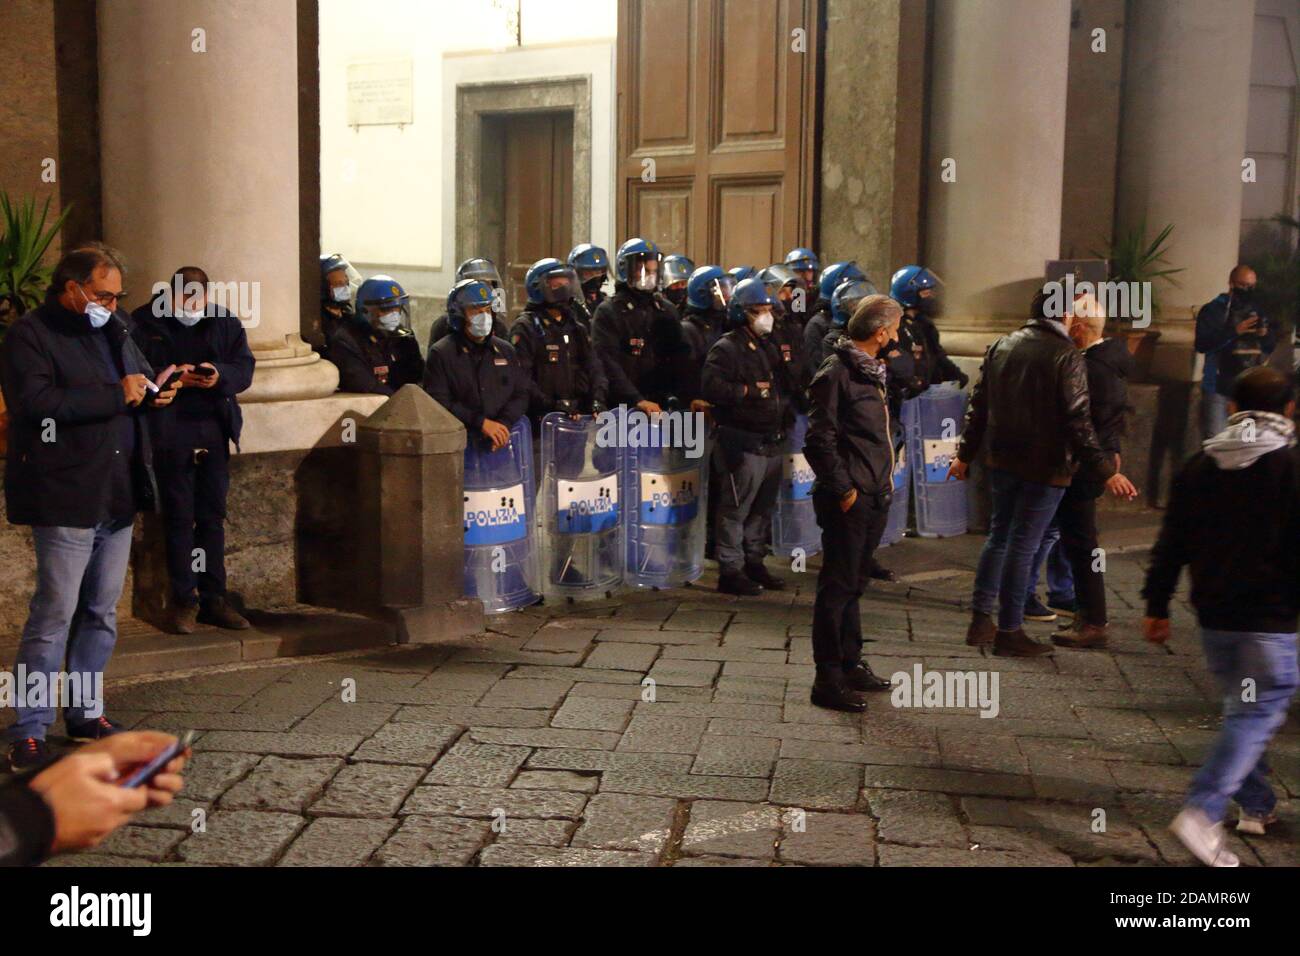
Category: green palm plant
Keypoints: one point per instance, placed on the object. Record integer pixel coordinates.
(23, 244)
(1134, 258)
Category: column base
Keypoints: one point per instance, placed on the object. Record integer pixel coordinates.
(289, 371)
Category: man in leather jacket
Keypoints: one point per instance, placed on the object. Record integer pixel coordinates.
(1030, 419)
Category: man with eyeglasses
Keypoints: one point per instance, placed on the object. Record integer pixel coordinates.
(79, 467)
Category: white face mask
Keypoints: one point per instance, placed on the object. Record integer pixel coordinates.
(647, 281)
(341, 293)
(96, 313)
(189, 317)
(480, 326)
(389, 321)
(762, 323)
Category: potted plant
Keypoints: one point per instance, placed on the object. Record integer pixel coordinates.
(1135, 259)
(23, 243)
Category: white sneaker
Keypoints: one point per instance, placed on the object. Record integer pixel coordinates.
(1251, 823)
(1203, 839)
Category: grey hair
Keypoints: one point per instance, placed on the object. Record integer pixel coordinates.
(80, 264)
(873, 313)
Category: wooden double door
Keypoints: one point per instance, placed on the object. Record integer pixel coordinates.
(716, 126)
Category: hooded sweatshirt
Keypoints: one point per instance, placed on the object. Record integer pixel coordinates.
(1234, 519)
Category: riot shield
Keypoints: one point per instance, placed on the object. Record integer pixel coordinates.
(933, 427)
(666, 516)
(896, 523)
(794, 523)
(580, 541)
(499, 493)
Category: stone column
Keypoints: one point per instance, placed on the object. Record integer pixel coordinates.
(199, 132)
(1183, 139)
(997, 121)
(412, 550)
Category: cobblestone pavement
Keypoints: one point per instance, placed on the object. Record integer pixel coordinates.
(541, 743)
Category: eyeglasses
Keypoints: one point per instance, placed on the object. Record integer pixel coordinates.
(109, 298)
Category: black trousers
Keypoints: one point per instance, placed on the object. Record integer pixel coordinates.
(1076, 516)
(193, 490)
(848, 542)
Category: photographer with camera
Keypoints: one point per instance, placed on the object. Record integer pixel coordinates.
(1234, 336)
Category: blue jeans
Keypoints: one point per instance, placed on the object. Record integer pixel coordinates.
(1214, 413)
(1060, 579)
(1235, 768)
(73, 614)
(1022, 511)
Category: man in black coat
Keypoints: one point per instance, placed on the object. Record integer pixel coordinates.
(851, 451)
(79, 466)
(180, 327)
(1234, 519)
(1030, 419)
(472, 373)
(377, 353)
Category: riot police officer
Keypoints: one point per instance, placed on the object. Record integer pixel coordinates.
(377, 352)
(786, 288)
(337, 280)
(554, 350)
(637, 332)
(746, 386)
(472, 373)
(484, 270)
(819, 322)
(673, 277)
(591, 262)
(805, 264)
(741, 273)
(844, 300)
(919, 292)
(704, 320)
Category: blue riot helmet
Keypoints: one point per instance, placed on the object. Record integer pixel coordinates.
(909, 282)
(673, 275)
(636, 264)
(709, 288)
(591, 262)
(337, 279)
(469, 307)
(834, 275)
(749, 296)
(802, 260)
(845, 299)
(383, 304)
(551, 282)
(741, 273)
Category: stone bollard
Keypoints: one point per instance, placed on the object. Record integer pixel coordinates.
(412, 551)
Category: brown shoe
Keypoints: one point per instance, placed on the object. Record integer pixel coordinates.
(1081, 636)
(981, 630)
(221, 614)
(184, 619)
(1018, 644)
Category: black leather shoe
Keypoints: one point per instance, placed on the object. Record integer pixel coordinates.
(733, 582)
(861, 677)
(761, 575)
(881, 573)
(838, 697)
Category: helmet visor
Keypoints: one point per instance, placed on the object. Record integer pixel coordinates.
(559, 286)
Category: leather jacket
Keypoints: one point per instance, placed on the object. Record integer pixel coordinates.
(1029, 413)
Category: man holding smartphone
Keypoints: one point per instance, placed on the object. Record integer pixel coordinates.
(1234, 336)
(209, 348)
(79, 467)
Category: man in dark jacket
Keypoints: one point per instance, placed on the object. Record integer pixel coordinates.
(819, 320)
(553, 348)
(1071, 538)
(472, 373)
(1234, 519)
(1030, 419)
(637, 332)
(75, 802)
(192, 438)
(337, 278)
(79, 467)
(746, 386)
(920, 293)
(484, 270)
(851, 451)
(704, 320)
(377, 353)
(1234, 336)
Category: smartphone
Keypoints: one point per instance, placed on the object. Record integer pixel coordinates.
(204, 372)
(155, 766)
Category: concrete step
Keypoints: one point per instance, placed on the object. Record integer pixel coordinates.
(284, 632)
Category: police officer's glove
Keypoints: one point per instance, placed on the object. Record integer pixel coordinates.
(598, 408)
(566, 405)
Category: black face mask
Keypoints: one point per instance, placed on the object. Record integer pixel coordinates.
(1243, 293)
(676, 296)
(930, 307)
(591, 288)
